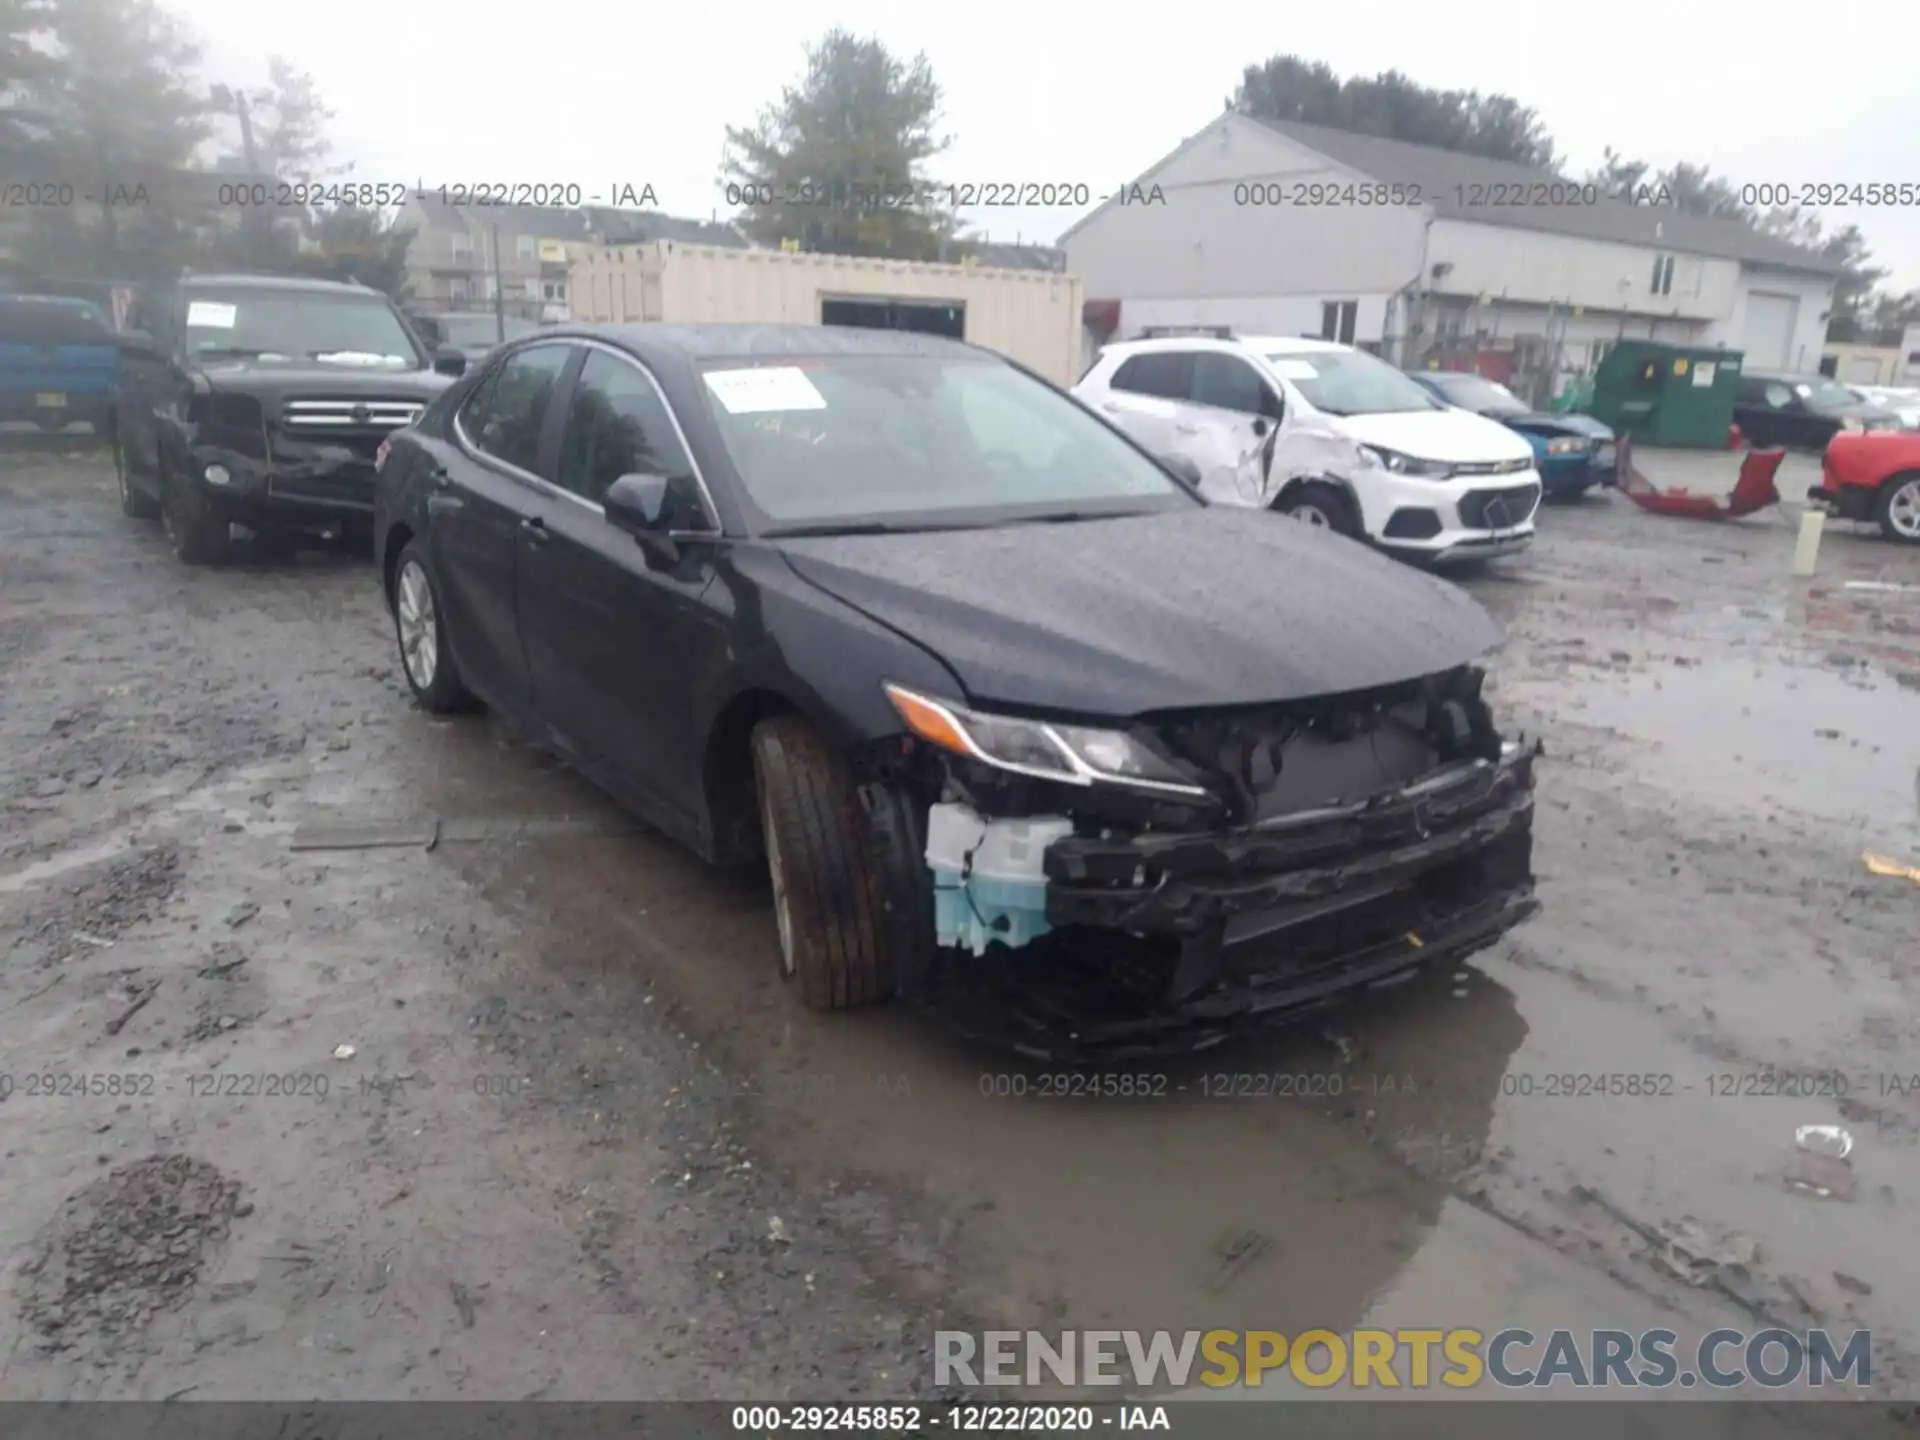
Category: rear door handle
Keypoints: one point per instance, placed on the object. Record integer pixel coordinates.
(534, 528)
(439, 478)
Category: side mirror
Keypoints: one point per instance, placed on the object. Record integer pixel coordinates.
(1184, 468)
(1259, 427)
(137, 343)
(637, 504)
(448, 361)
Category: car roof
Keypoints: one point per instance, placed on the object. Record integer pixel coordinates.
(1260, 344)
(695, 343)
(273, 282)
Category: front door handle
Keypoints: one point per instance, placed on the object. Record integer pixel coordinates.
(1186, 429)
(534, 528)
(439, 479)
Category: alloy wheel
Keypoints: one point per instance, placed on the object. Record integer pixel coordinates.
(1903, 509)
(419, 633)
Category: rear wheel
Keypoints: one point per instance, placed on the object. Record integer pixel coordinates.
(134, 504)
(199, 532)
(829, 897)
(1898, 509)
(1323, 506)
(424, 655)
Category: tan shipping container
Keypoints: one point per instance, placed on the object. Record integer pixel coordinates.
(1031, 316)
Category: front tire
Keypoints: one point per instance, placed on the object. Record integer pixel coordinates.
(828, 900)
(1321, 505)
(425, 657)
(135, 504)
(1898, 508)
(199, 533)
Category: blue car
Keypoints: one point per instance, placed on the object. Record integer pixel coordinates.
(1572, 452)
(58, 359)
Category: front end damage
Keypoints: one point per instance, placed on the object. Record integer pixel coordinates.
(1324, 845)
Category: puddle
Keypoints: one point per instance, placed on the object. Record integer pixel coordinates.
(1753, 736)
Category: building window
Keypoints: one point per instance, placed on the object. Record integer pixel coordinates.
(524, 247)
(554, 291)
(1663, 274)
(1337, 319)
(456, 289)
(462, 247)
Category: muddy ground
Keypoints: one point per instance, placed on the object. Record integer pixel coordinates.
(584, 1145)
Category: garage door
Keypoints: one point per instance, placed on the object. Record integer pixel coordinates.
(1770, 325)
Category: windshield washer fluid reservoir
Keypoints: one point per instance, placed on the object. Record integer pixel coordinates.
(988, 883)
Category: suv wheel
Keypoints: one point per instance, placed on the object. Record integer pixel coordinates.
(134, 504)
(198, 531)
(1321, 505)
(425, 658)
(828, 900)
(1898, 509)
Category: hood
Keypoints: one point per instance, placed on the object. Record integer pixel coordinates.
(1548, 422)
(1862, 411)
(1117, 618)
(268, 380)
(1457, 437)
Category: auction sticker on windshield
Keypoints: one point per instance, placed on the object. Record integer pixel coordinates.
(764, 388)
(211, 315)
(1294, 370)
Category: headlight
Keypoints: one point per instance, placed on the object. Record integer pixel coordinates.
(1069, 754)
(1405, 464)
(1567, 445)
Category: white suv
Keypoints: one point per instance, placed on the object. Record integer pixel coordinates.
(1326, 433)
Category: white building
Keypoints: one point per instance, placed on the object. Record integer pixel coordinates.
(1276, 227)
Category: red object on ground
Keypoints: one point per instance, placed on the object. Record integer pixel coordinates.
(1735, 440)
(1753, 492)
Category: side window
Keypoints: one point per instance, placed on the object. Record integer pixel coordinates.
(1163, 374)
(617, 424)
(504, 417)
(1230, 383)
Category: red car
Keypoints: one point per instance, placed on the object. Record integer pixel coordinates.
(1875, 477)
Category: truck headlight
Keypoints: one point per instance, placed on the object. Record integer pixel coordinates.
(1047, 750)
(1567, 445)
(1404, 464)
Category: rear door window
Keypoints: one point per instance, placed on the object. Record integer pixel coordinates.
(1163, 374)
(507, 415)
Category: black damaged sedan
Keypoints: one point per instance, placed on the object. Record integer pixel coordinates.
(992, 692)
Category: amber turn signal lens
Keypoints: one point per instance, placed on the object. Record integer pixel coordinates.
(929, 721)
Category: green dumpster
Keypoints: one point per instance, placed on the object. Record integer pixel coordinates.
(1663, 394)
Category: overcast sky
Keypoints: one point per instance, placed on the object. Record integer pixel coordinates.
(601, 95)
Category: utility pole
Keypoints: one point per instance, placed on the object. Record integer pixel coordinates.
(499, 291)
(256, 217)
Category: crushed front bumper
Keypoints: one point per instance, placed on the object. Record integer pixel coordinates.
(1173, 942)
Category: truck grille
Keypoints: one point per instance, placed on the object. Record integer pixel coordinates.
(389, 413)
(1498, 509)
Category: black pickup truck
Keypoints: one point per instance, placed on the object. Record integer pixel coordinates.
(261, 401)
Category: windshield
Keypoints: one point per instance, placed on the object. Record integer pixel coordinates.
(467, 331)
(1483, 397)
(1352, 382)
(32, 320)
(1827, 395)
(293, 325)
(846, 442)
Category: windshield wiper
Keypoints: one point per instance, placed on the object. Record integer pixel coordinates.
(859, 527)
(235, 352)
(1069, 517)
